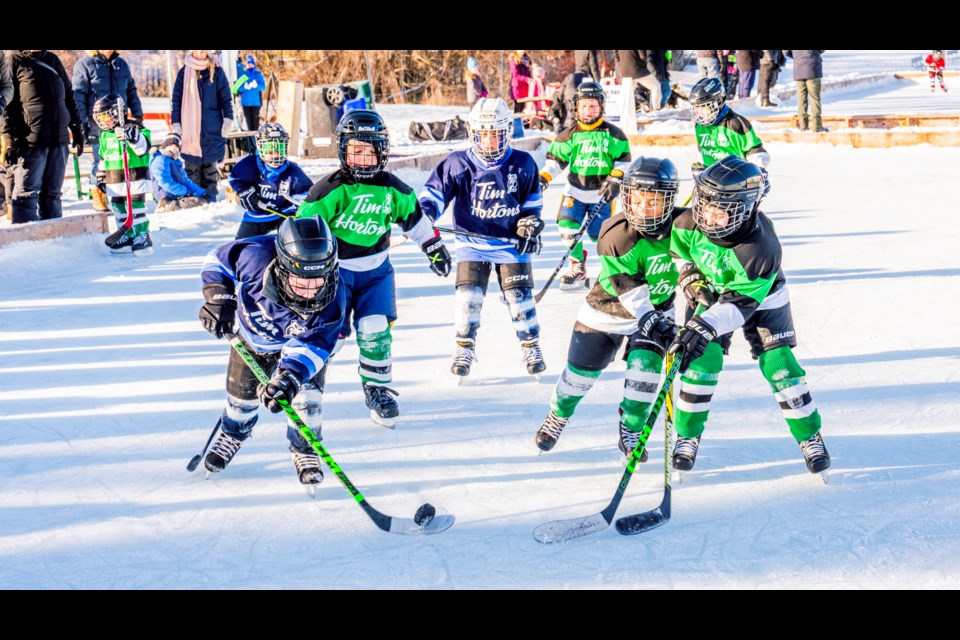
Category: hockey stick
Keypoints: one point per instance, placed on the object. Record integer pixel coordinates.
(472, 234)
(640, 522)
(562, 530)
(431, 524)
(587, 221)
(195, 460)
(121, 231)
(76, 175)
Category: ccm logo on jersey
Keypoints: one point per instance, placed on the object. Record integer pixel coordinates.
(519, 278)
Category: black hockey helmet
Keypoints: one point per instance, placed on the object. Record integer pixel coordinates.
(109, 111)
(306, 269)
(272, 143)
(727, 196)
(707, 99)
(647, 193)
(366, 126)
(592, 90)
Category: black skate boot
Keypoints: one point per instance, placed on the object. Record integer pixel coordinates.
(685, 452)
(575, 276)
(533, 357)
(550, 431)
(142, 245)
(221, 452)
(463, 358)
(815, 454)
(628, 442)
(383, 408)
(123, 245)
(308, 467)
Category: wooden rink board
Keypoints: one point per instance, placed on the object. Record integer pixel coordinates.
(60, 228)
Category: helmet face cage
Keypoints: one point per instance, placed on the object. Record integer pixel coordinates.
(106, 112)
(306, 249)
(272, 144)
(491, 127)
(707, 99)
(588, 91)
(282, 272)
(363, 126)
(645, 206)
(719, 214)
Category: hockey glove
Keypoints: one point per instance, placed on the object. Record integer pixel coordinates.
(656, 333)
(692, 341)
(132, 133)
(284, 385)
(438, 255)
(220, 310)
(76, 133)
(610, 187)
(528, 234)
(545, 179)
(696, 288)
(249, 199)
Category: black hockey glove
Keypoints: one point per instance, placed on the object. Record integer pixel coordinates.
(249, 199)
(438, 255)
(656, 332)
(284, 385)
(696, 288)
(220, 310)
(692, 341)
(76, 145)
(610, 187)
(528, 234)
(131, 132)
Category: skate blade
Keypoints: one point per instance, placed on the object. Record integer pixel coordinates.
(311, 490)
(144, 252)
(389, 423)
(824, 476)
(537, 375)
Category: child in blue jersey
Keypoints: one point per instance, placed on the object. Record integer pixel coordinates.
(269, 186)
(291, 305)
(494, 190)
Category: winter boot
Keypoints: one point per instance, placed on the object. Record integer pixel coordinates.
(685, 452)
(575, 276)
(99, 200)
(550, 430)
(815, 454)
(628, 442)
(308, 467)
(532, 356)
(463, 358)
(221, 452)
(383, 408)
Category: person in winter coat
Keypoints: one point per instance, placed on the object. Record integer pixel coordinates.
(747, 62)
(708, 63)
(935, 63)
(202, 114)
(585, 62)
(102, 73)
(172, 188)
(520, 74)
(770, 62)
(6, 95)
(475, 87)
(562, 112)
(35, 131)
(250, 85)
(807, 73)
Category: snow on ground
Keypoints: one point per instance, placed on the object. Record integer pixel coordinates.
(108, 386)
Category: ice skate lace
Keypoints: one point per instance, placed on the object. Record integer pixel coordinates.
(686, 447)
(464, 357)
(225, 446)
(814, 447)
(305, 462)
(553, 425)
(629, 438)
(532, 354)
(381, 395)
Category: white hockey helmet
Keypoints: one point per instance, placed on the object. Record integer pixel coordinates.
(490, 115)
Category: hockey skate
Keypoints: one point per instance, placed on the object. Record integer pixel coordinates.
(221, 453)
(308, 470)
(383, 408)
(549, 431)
(463, 359)
(576, 275)
(815, 454)
(628, 442)
(533, 358)
(142, 245)
(685, 452)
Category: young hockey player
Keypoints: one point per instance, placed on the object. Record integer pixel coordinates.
(731, 264)
(632, 299)
(110, 113)
(935, 65)
(172, 188)
(268, 182)
(594, 150)
(493, 190)
(720, 131)
(359, 202)
(286, 288)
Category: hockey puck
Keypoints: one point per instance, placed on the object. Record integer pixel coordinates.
(424, 514)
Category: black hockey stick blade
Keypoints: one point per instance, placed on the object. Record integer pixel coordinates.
(115, 237)
(195, 460)
(640, 522)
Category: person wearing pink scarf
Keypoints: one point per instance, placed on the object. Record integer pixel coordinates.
(202, 114)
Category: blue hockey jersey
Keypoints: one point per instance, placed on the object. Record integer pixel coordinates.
(485, 198)
(266, 325)
(289, 179)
